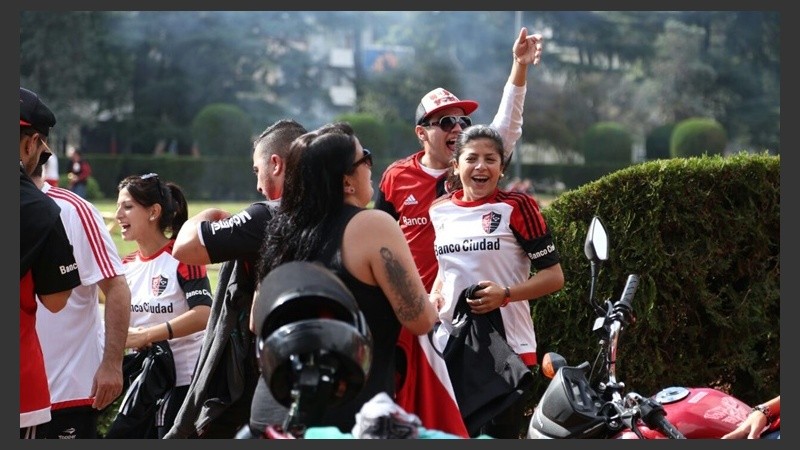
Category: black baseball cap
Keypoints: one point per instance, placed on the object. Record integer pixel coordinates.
(34, 113)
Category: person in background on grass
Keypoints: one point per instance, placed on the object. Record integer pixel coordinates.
(760, 423)
(214, 236)
(79, 173)
(323, 218)
(512, 241)
(84, 358)
(407, 189)
(47, 267)
(170, 300)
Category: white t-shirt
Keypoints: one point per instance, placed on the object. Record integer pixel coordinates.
(72, 339)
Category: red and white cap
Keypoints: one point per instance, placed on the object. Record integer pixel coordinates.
(439, 99)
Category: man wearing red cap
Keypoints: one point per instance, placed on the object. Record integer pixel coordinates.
(409, 186)
(47, 265)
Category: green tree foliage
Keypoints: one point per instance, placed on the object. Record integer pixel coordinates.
(222, 130)
(686, 80)
(142, 76)
(550, 121)
(657, 142)
(607, 142)
(598, 41)
(73, 60)
(697, 136)
(749, 66)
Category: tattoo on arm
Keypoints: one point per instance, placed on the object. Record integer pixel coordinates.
(400, 281)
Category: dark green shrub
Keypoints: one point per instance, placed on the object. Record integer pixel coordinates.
(222, 129)
(402, 140)
(708, 305)
(369, 130)
(606, 142)
(93, 191)
(696, 137)
(656, 144)
(388, 139)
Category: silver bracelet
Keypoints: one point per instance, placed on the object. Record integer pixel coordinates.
(763, 409)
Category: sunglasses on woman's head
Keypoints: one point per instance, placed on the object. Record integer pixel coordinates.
(152, 175)
(447, 123)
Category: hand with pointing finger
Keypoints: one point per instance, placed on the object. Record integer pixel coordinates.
(528, 48)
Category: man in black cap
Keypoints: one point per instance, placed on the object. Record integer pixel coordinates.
(47, 265)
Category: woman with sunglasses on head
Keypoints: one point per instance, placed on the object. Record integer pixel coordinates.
(323, 217)
(498, 240)
(170, 300)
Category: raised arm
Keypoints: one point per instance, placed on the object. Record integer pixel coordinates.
(526, 51)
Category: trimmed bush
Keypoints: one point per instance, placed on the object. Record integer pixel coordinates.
(657, 142)
(222, 129)
(370, 131)
(608, 143)
(696, 137)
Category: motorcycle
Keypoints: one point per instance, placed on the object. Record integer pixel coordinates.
(574, 407)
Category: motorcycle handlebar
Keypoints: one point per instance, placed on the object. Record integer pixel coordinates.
(653, 414)
(665, 426)
(623, 305)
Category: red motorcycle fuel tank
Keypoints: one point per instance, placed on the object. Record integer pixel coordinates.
(698, 413)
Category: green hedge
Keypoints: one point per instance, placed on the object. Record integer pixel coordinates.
(697, 136)
(222, 129)
(201, 178)
(704, 235)
(657, 142)
(607, 142)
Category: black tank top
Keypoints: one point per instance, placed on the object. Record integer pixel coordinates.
(382, 322)
(383, 325)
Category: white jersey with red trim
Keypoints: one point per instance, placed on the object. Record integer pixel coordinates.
(498, 238)
(163, 288)
(72, 339)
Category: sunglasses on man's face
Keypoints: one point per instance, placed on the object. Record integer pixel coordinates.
(447, 123)
(43, 157)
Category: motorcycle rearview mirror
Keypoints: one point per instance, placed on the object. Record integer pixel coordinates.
(596, 250)
(596, 246)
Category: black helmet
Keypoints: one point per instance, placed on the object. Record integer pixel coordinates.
(303, 312)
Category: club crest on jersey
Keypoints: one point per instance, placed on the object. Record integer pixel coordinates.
(490, 221)
(157, 285)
